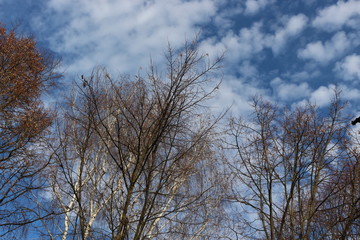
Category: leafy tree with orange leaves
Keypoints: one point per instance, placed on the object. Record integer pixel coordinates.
(25, 73)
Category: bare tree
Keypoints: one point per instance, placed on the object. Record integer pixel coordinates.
(136, 157)
(78, 174)
(284, 163)
(25, 74)
(340, 214)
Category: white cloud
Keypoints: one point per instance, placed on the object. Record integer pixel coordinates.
(244, 45)
(248, 70)
(335, 16)
(224, 19)
(254, 6)
(294, 27)
(237, 94)
(212, 47)
(349, 68)
(251, 41)
(123, 34)
(296, 24)
(112, 32)
(325, 52)
(349, 93)
(305, 75)
(323, 95)
(289, 91)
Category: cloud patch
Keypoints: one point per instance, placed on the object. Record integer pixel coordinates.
(254, 6)
(323, 95)
(327, 51)
(289, 91)
(335, 16)
(349, 68)
(245, 45)
(235, 93)
(295, 25)
(113, 32)
(253, 40)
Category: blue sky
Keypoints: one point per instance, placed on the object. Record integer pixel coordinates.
(287, 51)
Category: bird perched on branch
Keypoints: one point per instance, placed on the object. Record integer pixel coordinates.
(357, 120)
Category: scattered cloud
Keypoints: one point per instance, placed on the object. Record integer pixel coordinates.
(110, 32)
(289, 91)
(323, 95)
(327, 51)
(254, 6)
(253, 40)
(333, 17)
(248, 71)
(295, 25)
(349, 68)
(349, 93)
(297, 47)
(247, 43)
(237, 94)
(302, 76)
(223, 19)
